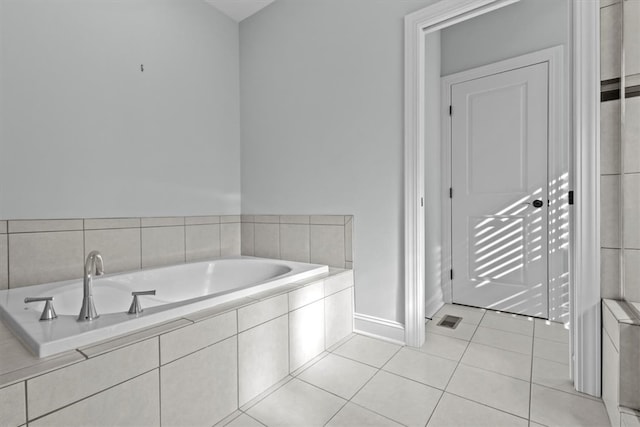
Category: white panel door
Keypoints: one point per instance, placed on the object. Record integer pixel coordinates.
(499, 136)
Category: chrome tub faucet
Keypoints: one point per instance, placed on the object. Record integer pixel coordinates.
(92, 266)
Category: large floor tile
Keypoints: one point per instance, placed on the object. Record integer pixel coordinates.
(504, 362)
(551, 331)
(508, 322)
(552, 374)
(464, 331)
(447, 347)
(551, 350)
(355, 416)
(338, 375)
(454, 411)
(503, 340)
(425, 368)
(368, 350)
(495, 390)
(556, 408)
(405, 401)
(296, 404)
(470, 315)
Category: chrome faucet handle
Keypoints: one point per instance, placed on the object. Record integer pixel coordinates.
(135, 307)
(48, 313)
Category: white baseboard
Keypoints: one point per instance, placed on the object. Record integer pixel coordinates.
(376, 327)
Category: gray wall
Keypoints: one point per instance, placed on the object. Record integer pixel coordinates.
(322, 130)
(86, 134)
(520, 28)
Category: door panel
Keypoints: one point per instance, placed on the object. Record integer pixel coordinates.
(499, 140)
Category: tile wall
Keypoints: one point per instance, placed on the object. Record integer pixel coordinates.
(318, 239)
(41, 251)
(620, 149)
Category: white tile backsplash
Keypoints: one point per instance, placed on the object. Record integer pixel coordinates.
(327, 245)
(610, 137)
(610, 39)
(631, 39)
(106, 223)
(632, 211)
(162, 246)
(230, 244)
(631, 275)
(294, 242)
(44, 225)
(267, 240)
(610, 211)
(60, 256)
(610, 273)
(120, 248)
(632, 135)
(202, 242)
(4, 261)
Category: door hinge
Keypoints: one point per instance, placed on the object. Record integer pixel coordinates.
(571, 197)
(451, 192)
(421, 202)
(451, 273)
(451, 110)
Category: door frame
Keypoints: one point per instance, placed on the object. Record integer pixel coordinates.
(584, 177)
(557, 154)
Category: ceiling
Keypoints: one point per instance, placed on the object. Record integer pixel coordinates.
(239, 9)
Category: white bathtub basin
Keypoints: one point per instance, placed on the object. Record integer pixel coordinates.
(180, 290)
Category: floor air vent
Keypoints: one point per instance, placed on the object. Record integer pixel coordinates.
(449, 321)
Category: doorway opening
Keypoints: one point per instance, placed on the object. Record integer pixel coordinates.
(582, 124)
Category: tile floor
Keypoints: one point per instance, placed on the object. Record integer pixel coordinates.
(494, 369)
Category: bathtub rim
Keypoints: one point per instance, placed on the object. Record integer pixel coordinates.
(110, 326)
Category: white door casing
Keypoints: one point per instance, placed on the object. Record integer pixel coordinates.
(499, 137)
(576, 108)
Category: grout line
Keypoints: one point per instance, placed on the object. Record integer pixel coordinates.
(159, 383)
(26, 403)
(8, 263)
(237, 361)
(141, 249)
(533, 343)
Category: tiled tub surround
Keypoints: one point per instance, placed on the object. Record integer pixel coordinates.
(44, 251)
(179, 290)
(620, 355)
(194, 370)
(318, 239)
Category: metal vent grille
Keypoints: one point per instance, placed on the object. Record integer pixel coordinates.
(449, 321)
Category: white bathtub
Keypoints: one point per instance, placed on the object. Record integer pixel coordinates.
(180, 290)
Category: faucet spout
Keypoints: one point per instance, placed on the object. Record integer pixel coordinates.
(92, 266)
